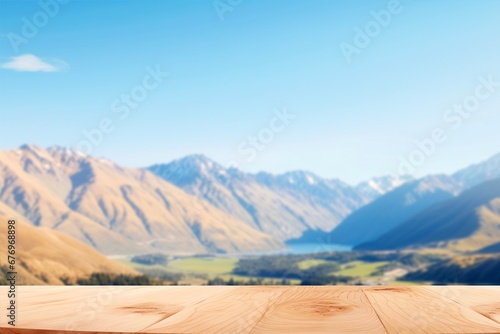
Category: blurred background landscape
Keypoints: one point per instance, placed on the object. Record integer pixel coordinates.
(192, 221)
(251, 142)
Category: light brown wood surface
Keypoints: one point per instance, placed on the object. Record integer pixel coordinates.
(256, 309)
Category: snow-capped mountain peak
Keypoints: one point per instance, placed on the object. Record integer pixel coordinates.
(189, 169)
(300, 177)
(479, 173)
(381, 185)
(65, 150)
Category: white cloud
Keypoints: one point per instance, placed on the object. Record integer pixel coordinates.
(31, 63)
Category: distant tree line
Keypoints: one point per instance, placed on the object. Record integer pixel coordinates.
(251, 281)
(117, 279)
(407, 259)
(287, 267)
(481, 271)
(162, 275)
(151, 259)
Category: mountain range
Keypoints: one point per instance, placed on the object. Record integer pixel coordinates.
(388, 211)
(117, 210)
(467, 222)
(280, 205)
(480, 172)
(194, 205)
(393, 208)
(45, 256)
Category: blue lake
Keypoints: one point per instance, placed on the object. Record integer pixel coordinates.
(303, 248)
(316, 247)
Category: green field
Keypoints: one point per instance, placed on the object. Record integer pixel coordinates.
(360, 269)
(198, 270)
(210, 266)
(310, 263)
(407, 283)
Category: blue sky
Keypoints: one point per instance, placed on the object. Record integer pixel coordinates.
(227, 77)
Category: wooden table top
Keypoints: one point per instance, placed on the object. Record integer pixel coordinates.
(253, 309)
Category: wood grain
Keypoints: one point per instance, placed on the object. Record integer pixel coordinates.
(482, 299)
(118, 308)
(320, 310)
(235, 311)
(422, 310)
(255, 310)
